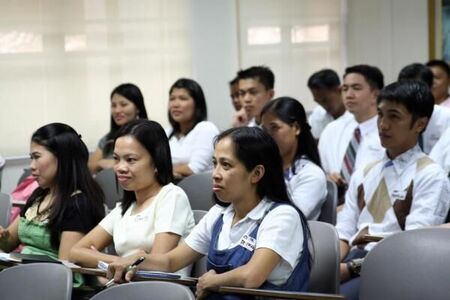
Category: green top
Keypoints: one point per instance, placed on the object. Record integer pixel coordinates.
(36, 238)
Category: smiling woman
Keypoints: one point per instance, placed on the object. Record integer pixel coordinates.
(154, 214)
(127, 104)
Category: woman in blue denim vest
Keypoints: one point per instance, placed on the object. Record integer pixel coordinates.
(254, 237)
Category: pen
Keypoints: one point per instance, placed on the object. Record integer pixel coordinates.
(132, 267)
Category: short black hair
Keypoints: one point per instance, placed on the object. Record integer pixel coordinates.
(153, 138)
(324, 79)
(441, 64)
(234, 81)
(415, 95)
(416, 71)
(372, 74)
(261, 73)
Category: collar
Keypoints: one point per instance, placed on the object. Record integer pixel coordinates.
(404, 160)
(256, 213)
(252, 123)
(368, 126)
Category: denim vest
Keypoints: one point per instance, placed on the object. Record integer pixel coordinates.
(225, 260)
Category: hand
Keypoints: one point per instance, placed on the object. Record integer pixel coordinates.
(337, 178)
(240, 118)
(205, 284)
(119, 269)
(4, 233)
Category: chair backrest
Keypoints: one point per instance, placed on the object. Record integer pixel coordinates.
(326, 257)
(113, 192)
(199, 267)
(5, 209)
(198, 188)
(409, 265)
(328, 212)
(148, 290)
(36, 281)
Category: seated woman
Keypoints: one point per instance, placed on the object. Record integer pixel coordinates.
(127, 104)
(67, 204)
(190, 136)
(154, 214)
(285, 120)
(256, 239)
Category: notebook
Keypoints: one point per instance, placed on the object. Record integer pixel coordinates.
(32, 258)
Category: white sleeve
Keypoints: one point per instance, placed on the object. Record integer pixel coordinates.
(315, 119)
(200, 237)
(202, 147)
(441, 151)
(431, 198)
(110, 219)
(347, 218)
(173, 212)
(282, 231)
(323, 148)
(308, 189)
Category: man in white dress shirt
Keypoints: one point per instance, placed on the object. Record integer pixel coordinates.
(402, 191)
(440, 119)
(256, 88)
(362, 84)
(325, 87)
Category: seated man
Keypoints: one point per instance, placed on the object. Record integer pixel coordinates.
(402, 191)
(325, 87)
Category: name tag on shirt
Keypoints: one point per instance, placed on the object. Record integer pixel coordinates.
(140, 218)
(248, 242)
(399, 195)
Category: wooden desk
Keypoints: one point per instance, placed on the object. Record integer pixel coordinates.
(191, 282)
(278, 294)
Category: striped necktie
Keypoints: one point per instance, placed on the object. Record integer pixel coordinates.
(350, 155)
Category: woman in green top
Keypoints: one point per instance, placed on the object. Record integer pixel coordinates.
(67, 204)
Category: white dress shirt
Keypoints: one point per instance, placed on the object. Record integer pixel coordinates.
(196, 148)
(281, 231)
(390, 180)
(441, 151)
(336, 136)
(307, 187)
(438, 123)
(318, 120)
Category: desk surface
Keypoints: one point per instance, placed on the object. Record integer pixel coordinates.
(190, 281)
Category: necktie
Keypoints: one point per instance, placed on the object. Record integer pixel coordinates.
(350, 155)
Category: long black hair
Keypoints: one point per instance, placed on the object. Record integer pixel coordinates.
(153, 138)
(291, 111)
(195, 91)
(132, 93)
(72, 175)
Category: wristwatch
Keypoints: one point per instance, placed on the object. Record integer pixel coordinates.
(354, 267)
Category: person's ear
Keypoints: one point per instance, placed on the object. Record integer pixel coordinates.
(271, 93)
(421, 124)
(297, 128)
(257, 173)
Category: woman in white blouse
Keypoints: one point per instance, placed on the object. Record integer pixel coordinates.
(154, 214)
(285, 120)
(190, 136)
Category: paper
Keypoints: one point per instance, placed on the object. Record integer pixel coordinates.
(144, 273)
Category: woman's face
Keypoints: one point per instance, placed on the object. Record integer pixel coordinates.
(231, 180)
(181, 106)
(133, 165)
(285, 135)
(44, 165)
(122, 110)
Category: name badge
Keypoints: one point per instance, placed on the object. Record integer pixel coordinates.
(399, 195)
(248, 242)
(140, 218)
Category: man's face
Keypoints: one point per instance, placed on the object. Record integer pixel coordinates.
(234, 95)
(397, 131)
(359, 98)
(253, 95)
(329, 99)
(441, 83)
